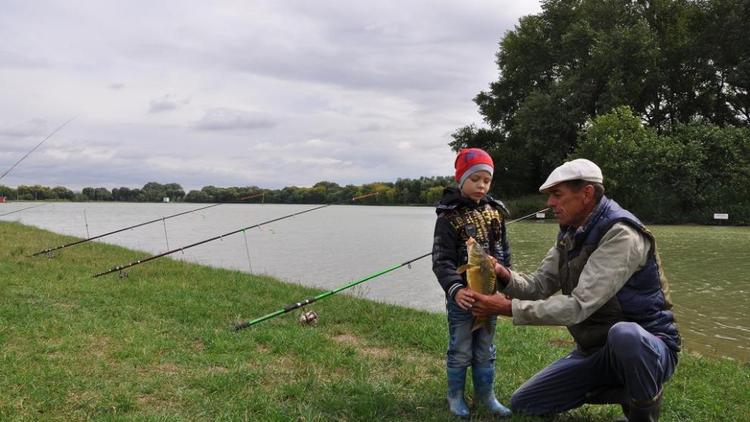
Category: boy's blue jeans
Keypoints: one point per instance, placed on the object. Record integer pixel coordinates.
(464, 347)
(632, 359)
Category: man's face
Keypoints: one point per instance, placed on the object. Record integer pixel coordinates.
(571, 207)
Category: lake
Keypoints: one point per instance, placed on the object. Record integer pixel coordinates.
(335, 245)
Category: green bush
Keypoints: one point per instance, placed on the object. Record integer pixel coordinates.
(682, 177)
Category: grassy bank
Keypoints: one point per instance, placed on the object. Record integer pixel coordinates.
(158, 346)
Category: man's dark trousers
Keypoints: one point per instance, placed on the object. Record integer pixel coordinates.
(632, 359)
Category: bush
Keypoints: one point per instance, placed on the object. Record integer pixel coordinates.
(682, 177)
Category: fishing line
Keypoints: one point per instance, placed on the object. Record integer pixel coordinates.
(37, 146)
(78, 242)
(151, 258)
(166, 238)
(86, 222)
(247, 251)
(22, 209)
(527, 216)
(292, 306)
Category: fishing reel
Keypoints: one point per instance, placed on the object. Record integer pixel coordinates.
(308, 317)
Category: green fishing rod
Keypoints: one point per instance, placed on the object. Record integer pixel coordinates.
(78, 242)
(221, 236)
(22, 209)
(296, 305)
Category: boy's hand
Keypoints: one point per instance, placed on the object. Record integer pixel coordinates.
(463, 299)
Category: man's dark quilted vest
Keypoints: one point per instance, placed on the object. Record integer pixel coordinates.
(484, 224)
(643, 299)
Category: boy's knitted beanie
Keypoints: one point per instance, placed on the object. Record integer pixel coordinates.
(470, 161)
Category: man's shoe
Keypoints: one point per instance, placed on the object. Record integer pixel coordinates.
(645, 411)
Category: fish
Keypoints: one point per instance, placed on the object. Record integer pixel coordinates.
(480, 275)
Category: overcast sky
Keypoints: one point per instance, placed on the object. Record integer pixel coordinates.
(238, 93)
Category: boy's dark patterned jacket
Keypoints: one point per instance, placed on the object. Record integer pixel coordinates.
(458, 219)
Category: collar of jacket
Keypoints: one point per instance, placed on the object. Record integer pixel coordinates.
(452, 199)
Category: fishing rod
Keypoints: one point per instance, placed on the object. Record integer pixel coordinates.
(221, 236)
(528, 215)
(37, 146)
(293, 306)
(78, 242)
(297, 305)
(22, 209)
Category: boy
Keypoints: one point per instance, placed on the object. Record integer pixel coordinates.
(464, 212)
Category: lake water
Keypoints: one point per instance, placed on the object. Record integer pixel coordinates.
(336, 245)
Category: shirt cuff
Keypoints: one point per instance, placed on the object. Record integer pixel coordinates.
(453, 289)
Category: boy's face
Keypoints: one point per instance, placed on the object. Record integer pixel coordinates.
(477, 185)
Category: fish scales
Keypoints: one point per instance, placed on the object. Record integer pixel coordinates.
(480, 275)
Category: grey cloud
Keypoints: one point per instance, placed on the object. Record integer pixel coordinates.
(374, 90)
(9, 59)
(166, 103)
(373, 127)
(229, 119)
(33, 127)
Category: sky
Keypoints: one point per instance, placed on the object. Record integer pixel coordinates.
(242, 93)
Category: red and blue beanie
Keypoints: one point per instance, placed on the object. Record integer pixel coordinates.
(470, 161)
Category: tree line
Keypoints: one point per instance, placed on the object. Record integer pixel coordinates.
(421, 191)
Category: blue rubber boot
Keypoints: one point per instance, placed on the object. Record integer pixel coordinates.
(483, 376)
(456, 384)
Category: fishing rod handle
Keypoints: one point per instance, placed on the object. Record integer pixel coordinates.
(296, 305)
(242, 326)
(288, 308)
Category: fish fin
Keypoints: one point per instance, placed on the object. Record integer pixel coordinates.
(463, 268)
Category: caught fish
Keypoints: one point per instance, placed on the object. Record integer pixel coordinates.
(480, 275)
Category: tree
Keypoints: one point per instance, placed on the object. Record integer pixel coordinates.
(197, 196)
(60, 192)
(614, 141)
(670, 61)
(174, 191)
(96, 194)
(7, 191)
(682, 176)
(153, 192)
(88, 194)
(126, 194)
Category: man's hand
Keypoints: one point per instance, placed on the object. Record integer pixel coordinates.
(501, 272)
(487, 305)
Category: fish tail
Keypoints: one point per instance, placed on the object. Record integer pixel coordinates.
(479, 322)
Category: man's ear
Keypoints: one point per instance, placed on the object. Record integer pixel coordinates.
(589, 194)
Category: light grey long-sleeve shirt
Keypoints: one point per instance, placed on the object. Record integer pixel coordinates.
(621, 252)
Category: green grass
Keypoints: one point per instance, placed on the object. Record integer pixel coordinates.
(158, 345)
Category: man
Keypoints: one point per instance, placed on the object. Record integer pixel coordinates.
(614, 301)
